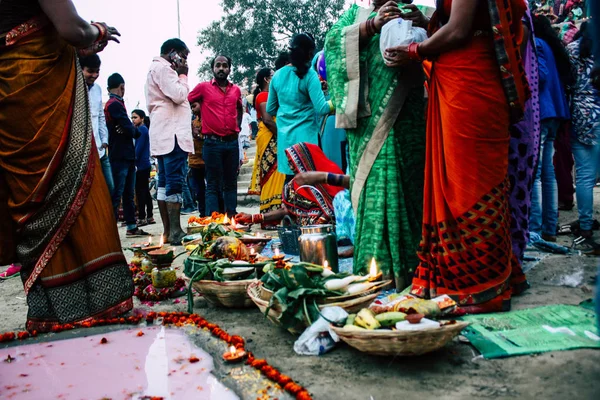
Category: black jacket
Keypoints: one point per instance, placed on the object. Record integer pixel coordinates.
(121, 130)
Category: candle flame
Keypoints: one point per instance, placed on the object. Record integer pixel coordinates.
(233, 222)
(252, 250)
(232, 351)
(149, 240)
(162, 241)
(226, 220)
(373, 269)
(326, 265)
(276, 252)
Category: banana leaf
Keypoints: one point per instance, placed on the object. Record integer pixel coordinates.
(296, 291)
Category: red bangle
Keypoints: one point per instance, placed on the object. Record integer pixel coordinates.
(413, 52)
(257, 218)
(103, 31)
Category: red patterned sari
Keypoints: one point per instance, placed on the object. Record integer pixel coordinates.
(466, 248)
(56, 216)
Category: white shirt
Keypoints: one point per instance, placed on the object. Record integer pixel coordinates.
(98, 120)
(170, 114)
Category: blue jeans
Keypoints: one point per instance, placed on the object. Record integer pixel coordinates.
(171, 174)
(107, 171)
(188, 202)
(587, 165)
(221, 160)
(123, 173)
(544, 197)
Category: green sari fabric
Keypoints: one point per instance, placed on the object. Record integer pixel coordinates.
(387, 191)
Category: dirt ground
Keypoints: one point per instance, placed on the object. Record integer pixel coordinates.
(452, 373)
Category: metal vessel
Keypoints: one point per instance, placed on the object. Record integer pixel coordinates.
(318, 243)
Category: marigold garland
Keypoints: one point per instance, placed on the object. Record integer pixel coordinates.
(180, 319)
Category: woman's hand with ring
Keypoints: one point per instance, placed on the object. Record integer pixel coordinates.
(396, 56)
(388, 12)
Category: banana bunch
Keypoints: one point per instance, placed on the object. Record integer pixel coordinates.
(367, 319)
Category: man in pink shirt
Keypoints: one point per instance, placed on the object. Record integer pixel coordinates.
(221, 109)
(170, 131)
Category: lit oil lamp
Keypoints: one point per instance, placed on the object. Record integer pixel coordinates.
(161, 257)
(234, 355)
(226, 220)
(150, 248)
(278, 258)
(374, 273)
(253, 255)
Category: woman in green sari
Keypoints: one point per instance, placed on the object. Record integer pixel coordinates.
(381, 109)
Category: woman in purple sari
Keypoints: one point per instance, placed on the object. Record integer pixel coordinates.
(524, 148)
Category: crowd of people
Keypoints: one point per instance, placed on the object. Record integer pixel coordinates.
(437, 159)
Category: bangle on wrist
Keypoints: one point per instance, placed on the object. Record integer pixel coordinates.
(102, 32)
(413, 52)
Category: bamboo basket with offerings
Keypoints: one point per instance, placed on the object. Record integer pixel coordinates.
(401, 325)
(293, 296)
(221, 272)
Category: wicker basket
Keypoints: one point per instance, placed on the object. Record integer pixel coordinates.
(400, 343)
(229, 294)
(261, 297)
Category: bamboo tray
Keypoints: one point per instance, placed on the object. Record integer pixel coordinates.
(260, 296)
(228, 294)
(400, 343)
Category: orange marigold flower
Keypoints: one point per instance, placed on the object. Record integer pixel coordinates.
(259, 363)
(284, 380)
(303, 395)
(293, 388)
(23, 335)
(140, 333)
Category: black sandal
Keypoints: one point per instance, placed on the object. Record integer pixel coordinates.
(137, 232)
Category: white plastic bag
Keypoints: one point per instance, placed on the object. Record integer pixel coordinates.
(400, 32)
(318, 338)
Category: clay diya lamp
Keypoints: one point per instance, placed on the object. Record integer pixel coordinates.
(234, 355)
(162, 257)
(278, 258)
(414, 318)
(252, 255)
(150, 247)
(374, 273)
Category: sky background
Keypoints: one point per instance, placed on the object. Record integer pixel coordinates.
(144, 26)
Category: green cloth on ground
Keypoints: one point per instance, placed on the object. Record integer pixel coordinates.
(534, 330)
(389, 210)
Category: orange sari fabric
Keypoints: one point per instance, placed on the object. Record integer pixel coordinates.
(466, 248)
(55, 209)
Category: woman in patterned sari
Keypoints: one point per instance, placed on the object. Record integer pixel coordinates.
(381, 109)
(53, 197)
(477, 87)
(266, 180)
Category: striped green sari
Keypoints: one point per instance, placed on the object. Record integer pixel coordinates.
(382, 111)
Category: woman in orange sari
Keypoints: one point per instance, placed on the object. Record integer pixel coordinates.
(477, 87)
(56, 217)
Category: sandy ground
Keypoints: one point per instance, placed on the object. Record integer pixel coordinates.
(452, 373)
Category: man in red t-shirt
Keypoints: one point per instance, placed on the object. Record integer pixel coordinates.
(221, 109)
